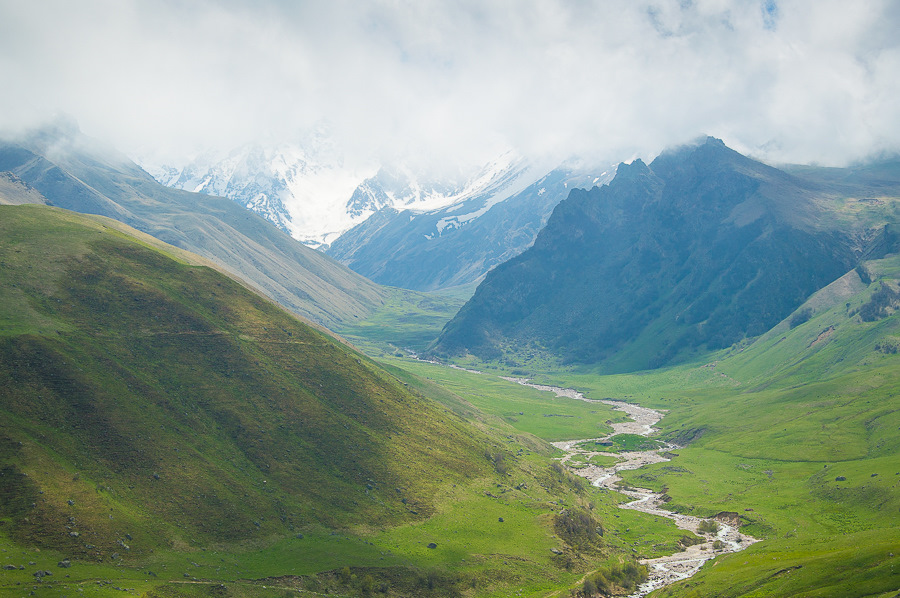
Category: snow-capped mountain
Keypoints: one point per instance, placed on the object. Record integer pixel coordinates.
(392, 224)
(301, 188)
(492, 218)
(307, 190)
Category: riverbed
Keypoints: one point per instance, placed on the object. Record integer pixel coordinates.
(667, 569)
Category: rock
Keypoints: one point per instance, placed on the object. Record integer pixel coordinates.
(64, 564)
(9, 567)
(432, 545)
(556, 551)
(70, 502)
(500, 520)
(840, 478)
(74, 534)
(299, 536)
(41, 574)
(729, 518)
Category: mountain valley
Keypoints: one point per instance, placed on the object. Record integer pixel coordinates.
(167, 431)
(698, 251)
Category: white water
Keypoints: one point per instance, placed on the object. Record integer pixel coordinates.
(667, 569)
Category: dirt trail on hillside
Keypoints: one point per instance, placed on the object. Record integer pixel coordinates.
(667, 569)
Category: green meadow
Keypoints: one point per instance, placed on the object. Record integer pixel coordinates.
(167, 432)
(797, 431)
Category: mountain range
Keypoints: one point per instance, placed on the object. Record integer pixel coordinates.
(72, 171)
(694, 252)
(396, 227)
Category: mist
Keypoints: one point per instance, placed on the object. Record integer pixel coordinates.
(453, 84)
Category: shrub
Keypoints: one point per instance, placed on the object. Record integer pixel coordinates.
(560, 476)
(498, 459)
(578, 528)
(708, 526)
(800, 317)
(613, 578)
(881, 301)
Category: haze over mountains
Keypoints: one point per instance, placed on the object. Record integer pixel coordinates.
(695, 252)
(74, 172)
(117, 349)
(395, 226)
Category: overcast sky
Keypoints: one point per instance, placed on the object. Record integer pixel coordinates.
(792, 80)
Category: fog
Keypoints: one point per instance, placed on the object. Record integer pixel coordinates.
(454, 83)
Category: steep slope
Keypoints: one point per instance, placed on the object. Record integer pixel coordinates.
(144, 395)
(695, 252)
(455, 245)
(72, 172)
(801, 438)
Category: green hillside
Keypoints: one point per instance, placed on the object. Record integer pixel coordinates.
(166, 431)
(799, 432)
(61, 166)
(162, 392)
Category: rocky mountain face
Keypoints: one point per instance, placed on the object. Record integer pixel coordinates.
(487, 224)
(698, 250)
(302, 188)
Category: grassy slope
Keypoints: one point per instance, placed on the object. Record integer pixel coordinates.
(406, 320)
(75, 173)
(771, 427)
(162, 426)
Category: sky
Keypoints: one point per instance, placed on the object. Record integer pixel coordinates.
(807, 81)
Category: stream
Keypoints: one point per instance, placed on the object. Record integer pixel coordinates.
(667, 569)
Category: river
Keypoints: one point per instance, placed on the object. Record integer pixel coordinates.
(667, 569)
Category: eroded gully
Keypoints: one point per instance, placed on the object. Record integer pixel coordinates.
(667, 569)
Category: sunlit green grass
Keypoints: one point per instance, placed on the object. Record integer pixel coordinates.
(526, 409)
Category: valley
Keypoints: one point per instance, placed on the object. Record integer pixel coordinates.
(169, 431)
(719, 537)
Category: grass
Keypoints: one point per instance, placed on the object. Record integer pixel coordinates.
(407, 320)
(158, 417)
(797, 431)
(525, 409)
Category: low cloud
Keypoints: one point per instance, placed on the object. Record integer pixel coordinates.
(456, 82)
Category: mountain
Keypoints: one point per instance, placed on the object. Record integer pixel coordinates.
(302, 188)
(305, 188)
(494, 218)
(698, 250)
(71, 171)
(399, 226)
(149, 402)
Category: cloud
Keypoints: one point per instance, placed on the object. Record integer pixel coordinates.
(796, 80)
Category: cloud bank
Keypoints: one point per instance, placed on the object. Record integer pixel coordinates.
(456, 82)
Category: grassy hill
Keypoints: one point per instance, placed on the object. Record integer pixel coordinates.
(163, 392)
(167, 431)
(65, 168)
(799, 433)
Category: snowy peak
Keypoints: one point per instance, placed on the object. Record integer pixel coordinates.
(300, 189)
(308, 190)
